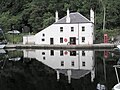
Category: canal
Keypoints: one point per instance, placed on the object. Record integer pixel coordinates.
(38, 69)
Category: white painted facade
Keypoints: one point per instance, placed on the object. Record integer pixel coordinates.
(68, 30)
(66, 61)
(54, 58)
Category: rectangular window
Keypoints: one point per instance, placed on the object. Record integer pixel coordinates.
(72, 29)
(61, 40)
(43, 58)
(43, 39)
(62, 63)
(61, 29)
(52, 52)
(43, 53)
(61, 53)
(83, 39)
(83, 63)
(83, 53)
(72, 53)
(43, 34)
(72, 63)
(83, 28)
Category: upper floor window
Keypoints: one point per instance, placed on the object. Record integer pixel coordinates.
(83, 63)
(61, 40)
(72, 29)
(83, 28)
(61, 29)
(43, 34)
(83, 39)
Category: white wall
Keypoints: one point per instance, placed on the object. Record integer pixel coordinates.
(88, 33)
(29, 39)
(53, 31)
(55, 61)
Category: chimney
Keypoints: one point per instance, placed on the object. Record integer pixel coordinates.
(92, 15)
(68, 16)
(56, 16)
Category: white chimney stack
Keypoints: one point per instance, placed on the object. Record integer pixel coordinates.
(92, 16)
(56, 16)
(68, 16)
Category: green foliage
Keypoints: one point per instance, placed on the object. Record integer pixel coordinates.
(40, 13)
(14, 38)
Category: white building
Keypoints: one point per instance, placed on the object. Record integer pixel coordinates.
(74, 28)
(74, 64)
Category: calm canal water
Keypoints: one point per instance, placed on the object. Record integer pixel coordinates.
(58, 69)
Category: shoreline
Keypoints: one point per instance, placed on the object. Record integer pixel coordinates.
(90, 46)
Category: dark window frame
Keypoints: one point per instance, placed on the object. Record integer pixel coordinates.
(43, 39)
(62, 63)
(61, 29)
(83, 28)
(72, 29)
(61, 52)
(61, 39)
(83, 39)
(52, 52)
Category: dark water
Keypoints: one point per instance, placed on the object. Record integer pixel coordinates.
(58, 69)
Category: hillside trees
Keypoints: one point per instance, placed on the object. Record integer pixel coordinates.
(39, 14)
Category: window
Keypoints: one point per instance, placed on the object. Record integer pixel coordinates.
(61, 53)
(43, 39)
(61, 29)
(62, 63)
(43, 53)
(72, 29)
(72, 63)
(83, 53)
(43, 58)
(61, 40)
(83, 39)
(72, 53)
(83, 28)
(52, 52)
(83, 63)
(43, 34)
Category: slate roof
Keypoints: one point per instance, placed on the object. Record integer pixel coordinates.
(74, 18)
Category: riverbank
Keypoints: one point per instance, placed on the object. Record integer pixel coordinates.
(92, 46)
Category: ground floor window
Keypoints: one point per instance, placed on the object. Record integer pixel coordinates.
(61, 40)
(52, 52)
(72, 53)
(61, 53)
(83, 39)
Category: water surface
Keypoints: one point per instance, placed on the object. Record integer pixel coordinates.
(58, 69)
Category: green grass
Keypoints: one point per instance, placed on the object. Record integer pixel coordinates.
(16, 38)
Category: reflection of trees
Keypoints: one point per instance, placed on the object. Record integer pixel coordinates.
(28, 75)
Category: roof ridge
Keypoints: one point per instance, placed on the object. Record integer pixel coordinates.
(78, 18)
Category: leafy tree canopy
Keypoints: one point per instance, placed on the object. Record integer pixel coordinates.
(40, 13)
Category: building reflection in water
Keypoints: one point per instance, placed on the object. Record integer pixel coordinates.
(74, 64)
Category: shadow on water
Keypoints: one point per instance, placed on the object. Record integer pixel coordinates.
(35, 70)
